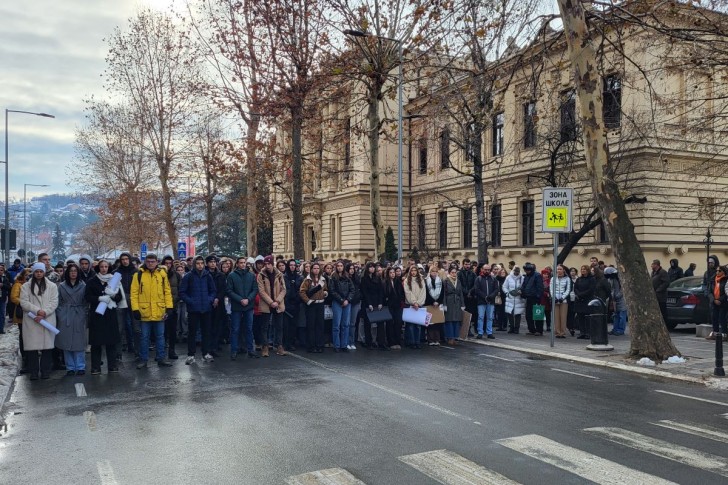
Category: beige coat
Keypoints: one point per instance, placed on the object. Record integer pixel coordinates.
(35, 335)
(279, 291)
(417, 294)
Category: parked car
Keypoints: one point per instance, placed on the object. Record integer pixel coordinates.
(686, 302)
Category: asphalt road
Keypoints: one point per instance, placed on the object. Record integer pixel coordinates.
(471, 415)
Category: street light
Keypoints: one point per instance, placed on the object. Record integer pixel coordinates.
(6, 255)
(359, 33)
(708, 241)
(25, 212)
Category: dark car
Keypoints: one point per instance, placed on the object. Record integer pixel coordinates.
(686, 302)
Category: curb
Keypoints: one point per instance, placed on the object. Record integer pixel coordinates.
(9, 359)
(712, 382)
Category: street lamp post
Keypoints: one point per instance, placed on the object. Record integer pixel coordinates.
(6, 255)
(25, 212)
(359, 33)
(708, 240)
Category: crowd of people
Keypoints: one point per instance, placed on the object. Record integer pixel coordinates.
(265, 305)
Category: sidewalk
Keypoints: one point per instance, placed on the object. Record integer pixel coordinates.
(9, 361)
(699, 353)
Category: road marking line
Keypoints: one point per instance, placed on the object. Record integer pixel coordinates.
(664, 449)
(446, 347)
(330, 476)
(394, 392)
(574, 373)
(106, 472)
(692, 397)
(90, 420)
(709, 433)
(80, 390)
(578, 462)
(450, 468)
(496, 357)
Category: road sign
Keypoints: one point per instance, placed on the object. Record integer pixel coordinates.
(143, 251)
(181, 250)
(557, 209)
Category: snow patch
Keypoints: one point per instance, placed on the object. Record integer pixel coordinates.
(646, 362)
(674, 360)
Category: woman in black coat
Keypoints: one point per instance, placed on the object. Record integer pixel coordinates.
(394, 298)
(293, 306)
(584, 288)
(103, 330)
(372, 297)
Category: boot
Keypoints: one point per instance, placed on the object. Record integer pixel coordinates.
(264, 351)
(280, 351)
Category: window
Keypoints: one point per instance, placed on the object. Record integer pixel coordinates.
(529, 124)
(498, 124)
(423, 156)
(568, 116)
(442, 229)
(445, 149)
(495, 225)
(527, 222)
(474, 139)
(612, 98)
(420, 231)
(467, 217)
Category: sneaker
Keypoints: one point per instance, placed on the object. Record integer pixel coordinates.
(70, 373)
(164, 363)
(711, 336)
(431, 344)
(253, 355)
(437, 344)
(141, 365)
(353, 347)
(81, 372)
(491, 336)
(480, 336)
(209, 358)
(190, 360)
(95, 372)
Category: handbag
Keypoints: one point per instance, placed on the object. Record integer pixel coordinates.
(498, 299)
(328, 312)
(18, 312)
(376, 316)
(539, 312)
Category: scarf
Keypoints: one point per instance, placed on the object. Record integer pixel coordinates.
(105, 278)
(435, 290)
(716, 288)
(454, 281)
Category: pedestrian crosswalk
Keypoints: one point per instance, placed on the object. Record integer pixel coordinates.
(449, 468)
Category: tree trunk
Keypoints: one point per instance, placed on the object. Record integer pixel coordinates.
(297, 182)
(251, 210)
(648, 333)
(375, 198)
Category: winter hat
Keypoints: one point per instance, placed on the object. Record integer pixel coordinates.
(712, 260)
(259, 258)
(268, 259)
(211, 257)
(84, 257)
(39, 267)
(250, 261)
(609, 271)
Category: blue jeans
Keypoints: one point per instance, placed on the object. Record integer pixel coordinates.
(75, 360)
(412, 333)
(452, 330)
(340, 325)
(158, 336)
(247, 320)
(619, 320)
(485, 312)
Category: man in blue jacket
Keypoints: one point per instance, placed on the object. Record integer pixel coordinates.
(485, 289)
(241, 289)
(197, 290)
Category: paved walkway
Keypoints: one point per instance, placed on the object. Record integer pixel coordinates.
(699, 353)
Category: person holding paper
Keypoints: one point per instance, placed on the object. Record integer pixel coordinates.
(372, 295)
(313, 293)
(72, 316)
(103, 330)
(40, 297)
(414, 296)
(454, 302)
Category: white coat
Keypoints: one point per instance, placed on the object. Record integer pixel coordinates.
(514, 304)
(35, 335)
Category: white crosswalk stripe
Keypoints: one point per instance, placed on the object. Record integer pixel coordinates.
(449, 468)
(703, 432)
(578, 462)
(330, 476)
(664, 449)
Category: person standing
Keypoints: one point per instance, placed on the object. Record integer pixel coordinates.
(454, 303)
(394, 299)
(132, 331)
(675, 272)
(342, 292)
(17, 315)
(293, 304)
(87, 272)
(435, 296)
(372, 295)
(180, 304)
(40, 297)
(415, 295)
(151, 303)
(272, 291)
(690, 271)
(103, 330)
(561, 288)
(198, 291)
(719, 303)
(532, 291)
(72, 316)
(16, 269)
(218, 317)
(170, 324)
(5, 287)
(486, 289)
(660, 282)
(356, 306)
(241, 289)
(584, 288)
(467, 276)
(501, 321)
(619, 319)
(313, 293)
(515, 305)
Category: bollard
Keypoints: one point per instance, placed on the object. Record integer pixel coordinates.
(598, 326)
(719, 371)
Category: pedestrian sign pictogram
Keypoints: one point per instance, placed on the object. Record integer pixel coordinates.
(181, 250)
(143, 250)
(557, 210)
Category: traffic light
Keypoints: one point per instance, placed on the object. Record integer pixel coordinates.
(13, 242)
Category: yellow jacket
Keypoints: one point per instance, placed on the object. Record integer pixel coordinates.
(15, 299)
(151, 294)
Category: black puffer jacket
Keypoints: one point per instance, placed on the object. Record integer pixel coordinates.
(372, 291)
(341, 288)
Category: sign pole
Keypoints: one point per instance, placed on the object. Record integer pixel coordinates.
(553, 293)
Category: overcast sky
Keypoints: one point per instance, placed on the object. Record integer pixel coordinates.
(51, 58)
